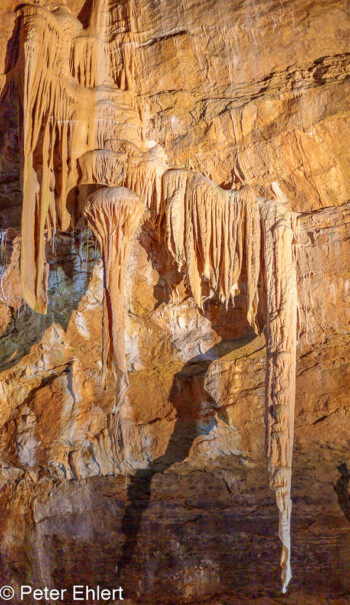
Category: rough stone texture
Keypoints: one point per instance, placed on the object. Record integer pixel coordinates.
(176, 494)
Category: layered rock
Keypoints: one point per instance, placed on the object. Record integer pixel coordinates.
(235, 94)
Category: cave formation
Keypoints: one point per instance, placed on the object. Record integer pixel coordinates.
(81, 126)
(113, 214)
(281, 295)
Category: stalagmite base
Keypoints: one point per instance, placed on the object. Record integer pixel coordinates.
(113, 215)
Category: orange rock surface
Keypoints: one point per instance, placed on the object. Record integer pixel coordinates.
(202, 109)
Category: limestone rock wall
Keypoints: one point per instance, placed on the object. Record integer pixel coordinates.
(177, 492)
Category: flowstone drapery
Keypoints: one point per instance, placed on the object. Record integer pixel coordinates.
(209, 230)
(113, 215)
(82, 126)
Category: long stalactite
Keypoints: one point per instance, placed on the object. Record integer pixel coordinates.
(209, 231)
(80, 126)
(280, 270)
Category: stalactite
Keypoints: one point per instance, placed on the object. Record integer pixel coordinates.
(208, 229)
(103, 166)
(253, 252)
(144, 174)
(113, 215)
(44, 106)
(140, 171)
(281, 363)
(72, 111)
(208, 232)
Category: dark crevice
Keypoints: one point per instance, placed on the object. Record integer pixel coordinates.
(341, 489)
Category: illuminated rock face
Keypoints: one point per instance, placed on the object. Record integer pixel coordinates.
(74, 102)
(144, 102)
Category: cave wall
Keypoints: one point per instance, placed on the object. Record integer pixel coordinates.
(241, 92)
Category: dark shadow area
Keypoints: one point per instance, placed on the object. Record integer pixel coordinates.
(10, 157)
(12, 47)
(341, 489)
(154, 242)
(76, 201)
(71, 265)
(195, 410)
(10, 186)
(85, 14)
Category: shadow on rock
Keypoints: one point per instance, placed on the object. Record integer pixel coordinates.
(71, 267)
(341, 489)
(196, 411)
